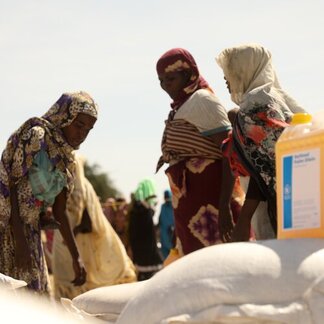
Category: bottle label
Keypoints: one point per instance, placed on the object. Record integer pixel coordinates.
(301, 190)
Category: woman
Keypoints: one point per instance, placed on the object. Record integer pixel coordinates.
(36, 171)
(196, 126)
(264, 112)
(102, 251)
(142, 235)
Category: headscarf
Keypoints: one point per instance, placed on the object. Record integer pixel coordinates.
(167, 194)
(68, 106)
(145, 190)
(248, 68)
(43, 133)
(177, 60)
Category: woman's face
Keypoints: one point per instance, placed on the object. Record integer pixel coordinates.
(173, 82)
(78, 130)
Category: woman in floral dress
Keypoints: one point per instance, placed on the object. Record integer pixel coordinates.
(264, 112)
(196, 126)
(36, 171)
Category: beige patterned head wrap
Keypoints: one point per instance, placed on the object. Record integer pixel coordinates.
(249, 67)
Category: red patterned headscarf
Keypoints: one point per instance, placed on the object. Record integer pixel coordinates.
(176, 60)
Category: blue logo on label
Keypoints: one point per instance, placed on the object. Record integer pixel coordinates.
(287, 192)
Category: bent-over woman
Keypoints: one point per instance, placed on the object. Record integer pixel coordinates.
(36, 171)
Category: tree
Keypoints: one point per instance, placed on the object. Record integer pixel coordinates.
(100, 181)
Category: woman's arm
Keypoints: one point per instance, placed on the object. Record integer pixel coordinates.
(226, 223)
(22, 251)
(65, 229)
(228, 180)
(242, 229)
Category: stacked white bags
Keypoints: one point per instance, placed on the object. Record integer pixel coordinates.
(274, 281)
(278, 280)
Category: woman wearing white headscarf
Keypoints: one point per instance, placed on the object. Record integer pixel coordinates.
(264, 112)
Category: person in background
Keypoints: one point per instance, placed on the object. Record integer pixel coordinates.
(103, 253)
(166, 224)
(36, 171)
(121, 222)
(265, 109)
(116, 212)
(109, 209)
(196, 126)
(142, 236)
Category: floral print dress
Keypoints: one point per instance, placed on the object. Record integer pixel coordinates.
(196, 184)
(36, 134)
(255, 133)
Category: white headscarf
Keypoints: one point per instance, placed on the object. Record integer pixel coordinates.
(250, 73)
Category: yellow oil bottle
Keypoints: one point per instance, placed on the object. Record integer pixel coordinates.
(300, 179)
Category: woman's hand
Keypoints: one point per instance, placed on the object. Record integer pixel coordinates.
(226, 224)
(242, 229)
(79, 272)
(225, 213)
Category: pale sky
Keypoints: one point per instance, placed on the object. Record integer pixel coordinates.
(110, 48)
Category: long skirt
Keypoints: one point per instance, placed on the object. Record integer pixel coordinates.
(37, 278)
(196, 185)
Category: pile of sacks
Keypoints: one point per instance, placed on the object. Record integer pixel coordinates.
(274, 281)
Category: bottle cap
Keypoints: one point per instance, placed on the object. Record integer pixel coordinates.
(301, 118)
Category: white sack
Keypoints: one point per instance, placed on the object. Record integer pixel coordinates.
(104, 302)
(265, 272)
(9, 283)
(29, 308)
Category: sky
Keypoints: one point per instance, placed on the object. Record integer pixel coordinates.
(110, 48)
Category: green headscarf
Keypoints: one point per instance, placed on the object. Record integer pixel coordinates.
(146, 191)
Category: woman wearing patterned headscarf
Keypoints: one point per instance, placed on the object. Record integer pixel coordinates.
(194, 131)
(264, 112)
(36, 171)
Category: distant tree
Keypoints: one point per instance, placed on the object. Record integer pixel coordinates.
(100, 181)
